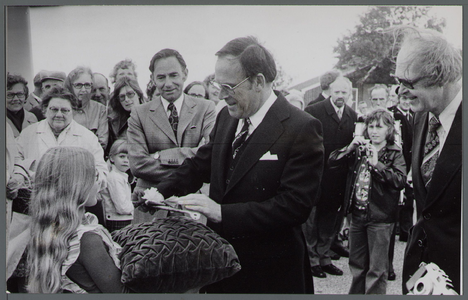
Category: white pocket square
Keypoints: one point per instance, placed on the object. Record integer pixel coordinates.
(269, 156)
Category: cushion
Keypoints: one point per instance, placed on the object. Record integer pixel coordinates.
(173, 255)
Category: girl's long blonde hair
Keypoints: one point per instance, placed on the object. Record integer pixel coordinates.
(62, 183)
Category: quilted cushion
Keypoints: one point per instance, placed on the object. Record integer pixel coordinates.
(173, 255)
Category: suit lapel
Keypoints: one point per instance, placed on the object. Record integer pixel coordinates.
(221, 154)
(13, 127)
(449, 161)
(159, 117)
(418, 146)
(266, 134)
(185, 116)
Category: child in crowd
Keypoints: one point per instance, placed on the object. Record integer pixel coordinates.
(376, 175)
(118, 207)
(69, 251)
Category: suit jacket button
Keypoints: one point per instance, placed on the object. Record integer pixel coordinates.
(421, 243)
(427, 216)
(231, 168)
(227, 181)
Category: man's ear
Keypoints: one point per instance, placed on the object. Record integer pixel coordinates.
(259, 82)
(185, 74)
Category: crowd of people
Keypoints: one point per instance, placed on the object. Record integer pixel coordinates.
(277, 177)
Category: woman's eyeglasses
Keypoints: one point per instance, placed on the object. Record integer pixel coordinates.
(19, 95)
(86, 85)
(64, 111)
(129, 94)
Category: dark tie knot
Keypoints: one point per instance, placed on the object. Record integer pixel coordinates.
(247, 123)
(434, 124)
(241, 137)
(173, 109)
(173, 117)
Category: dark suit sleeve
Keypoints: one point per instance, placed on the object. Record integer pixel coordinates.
(296, 193)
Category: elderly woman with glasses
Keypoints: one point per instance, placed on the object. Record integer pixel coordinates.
(59, 129)
(90, 114)
(127, 93)
(17, 117)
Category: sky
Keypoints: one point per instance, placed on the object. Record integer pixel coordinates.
(301, 38)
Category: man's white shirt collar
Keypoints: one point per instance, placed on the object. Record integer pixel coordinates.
(402, 111)
(447, 116)
(258, 117)
(336, 107)
(178, 104)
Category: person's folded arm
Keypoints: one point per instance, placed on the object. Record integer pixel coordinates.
(99, 265)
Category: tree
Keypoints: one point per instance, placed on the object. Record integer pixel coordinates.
(370, 51)
(282, 79)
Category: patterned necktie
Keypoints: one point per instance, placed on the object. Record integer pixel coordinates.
(431, 151)
(173, 118)
(240, 137)
(340, 114)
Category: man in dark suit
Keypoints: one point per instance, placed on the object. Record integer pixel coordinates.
(337, 120)
(325, 81)
(403, 113)
(264, 162)
(429, 71)
(167, 130)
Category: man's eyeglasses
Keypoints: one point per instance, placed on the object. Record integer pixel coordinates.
(129, 94)
(409, 84)
(227, 88)
(20, 96)
(86, 85)
(64, 111)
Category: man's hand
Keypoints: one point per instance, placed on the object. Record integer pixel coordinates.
(202, 204)
(372, 154)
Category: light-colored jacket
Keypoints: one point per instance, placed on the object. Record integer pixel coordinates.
(29, 118)
(117, 197)
(149, 132)
(94, 117)
(37, 138)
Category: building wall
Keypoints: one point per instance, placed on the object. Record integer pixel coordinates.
(18, 43)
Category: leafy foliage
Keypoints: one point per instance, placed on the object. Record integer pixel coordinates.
(371, 49)
(282, 79)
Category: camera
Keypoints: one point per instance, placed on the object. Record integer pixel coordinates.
(429, 279)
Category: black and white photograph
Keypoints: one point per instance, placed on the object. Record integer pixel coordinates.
(234, 149)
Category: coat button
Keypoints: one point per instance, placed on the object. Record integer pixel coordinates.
(227, 181)
(421, 243)
(231, 168)
(427, 216)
